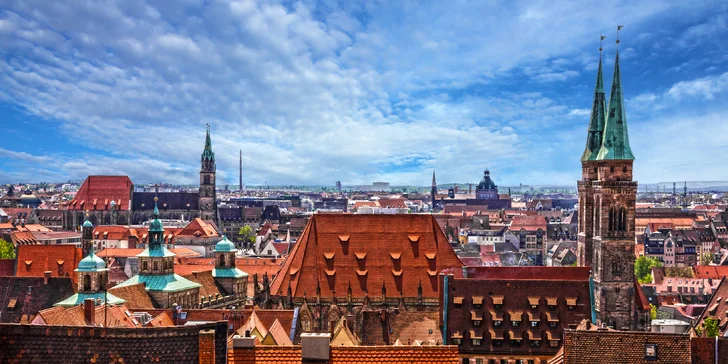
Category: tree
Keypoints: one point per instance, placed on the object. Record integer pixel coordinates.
(246, 236)
(653, 312)
(7, 250)
(679, 272)
(711, 327)
(707, 258)
(643, 268)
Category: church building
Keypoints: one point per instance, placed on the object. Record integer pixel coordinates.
(607, 196)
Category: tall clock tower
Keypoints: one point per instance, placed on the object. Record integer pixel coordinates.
(207, 204)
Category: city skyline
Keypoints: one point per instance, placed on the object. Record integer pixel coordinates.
(313, 94)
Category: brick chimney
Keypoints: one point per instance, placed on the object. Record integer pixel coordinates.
(46, 277)
(207, 346)
(89, 311)
(315, 348)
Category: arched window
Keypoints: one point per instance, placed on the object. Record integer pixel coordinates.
(87, 282)
(155, 264)
(145, 265)
(222, 260)
(611, 219)
(206, 179)
(623, 219)
(616, 271)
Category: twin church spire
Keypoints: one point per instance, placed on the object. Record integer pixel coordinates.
(608, 138)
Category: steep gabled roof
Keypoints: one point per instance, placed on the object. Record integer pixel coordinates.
(615, 141)
(597, 120)
(365, 252)
(60, 260)
(97, 192)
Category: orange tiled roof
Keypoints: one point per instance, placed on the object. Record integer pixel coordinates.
(135, 295)
(199, 228)
(97, 192)
(349, 237)
(162, 320)
(350, 355)
(60, 260)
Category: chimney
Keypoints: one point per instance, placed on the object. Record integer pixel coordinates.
(46, 277)
(207, 347)
(315, 347)
(89, 311)
(246, 342)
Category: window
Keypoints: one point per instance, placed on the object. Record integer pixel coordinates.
(650, 351)
(535, 344)
(476, 322)
(476, 342)
(155, 264)
(616, 271)
(87, 282)
(145, 265)
(554, 343)
(519, 361)
(497, 324)
(515, 323)
(479, 361)
(531, 361)
(457, 341)
(497, 343)
(516, 342)
(553, 324)
(504, 361)
(534, 323)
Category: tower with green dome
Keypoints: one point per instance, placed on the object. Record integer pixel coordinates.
(92, 275)
(232, 279)
(156, 271)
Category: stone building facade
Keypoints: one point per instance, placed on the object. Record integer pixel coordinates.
(607, 196)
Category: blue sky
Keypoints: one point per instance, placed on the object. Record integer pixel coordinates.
(315, 92)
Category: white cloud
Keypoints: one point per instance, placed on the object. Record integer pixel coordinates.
(579, 112)
(706, 87)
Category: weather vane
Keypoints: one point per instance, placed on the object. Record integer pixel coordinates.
(619, 27)
(602, 37)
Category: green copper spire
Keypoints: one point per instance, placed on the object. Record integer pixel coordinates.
(598, 118)
(615, 142)
(156, 226)
(208, 154)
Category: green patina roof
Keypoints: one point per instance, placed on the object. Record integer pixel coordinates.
(87, 224)
(228, 273)
(163, 283)
(156, 226)
(156, 250)
(79, 298)
(224, 245)
(598, 119)
(208, 154)
(615, 141)
(91, 263)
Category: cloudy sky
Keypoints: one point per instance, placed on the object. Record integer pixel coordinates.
(314, 92)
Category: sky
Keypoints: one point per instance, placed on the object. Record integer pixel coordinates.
(315, 92)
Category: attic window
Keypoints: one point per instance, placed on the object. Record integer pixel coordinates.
(430, 255)
(497, 301)
(571, 301)
(475, 316)
(360, 255)
(397, 273)
(457, 338)
(344, 238)
(650, 351)
(395, 255)
(329, 256)
(551, 301)
(413, 238)
(11, 304)
(330, 272)
(362, 273)
(496, 336)
(712, 309)
(534, 301)
(458, 300)
(477, 300)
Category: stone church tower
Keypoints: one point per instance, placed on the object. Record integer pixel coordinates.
(607, 196)
(208, 206)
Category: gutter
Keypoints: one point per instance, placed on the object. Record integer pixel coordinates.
(446, 292)
(591, 298)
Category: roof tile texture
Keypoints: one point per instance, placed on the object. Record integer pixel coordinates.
(349, 237)
(597, 346)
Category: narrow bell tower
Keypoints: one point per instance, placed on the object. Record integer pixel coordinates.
(207, 199)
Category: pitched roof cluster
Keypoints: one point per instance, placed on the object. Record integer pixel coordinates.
(366, 253)
(97, 193)
(717, 307)
(103, 316)
(23, 297)
(348, 355)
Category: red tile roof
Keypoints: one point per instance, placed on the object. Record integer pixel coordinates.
(530, 273)
(97, 192)
(34, 260)
(529, 223)
(199, 228)
(359, 251)
(717, 307)
(606, 346)
(349, 355)
(397, 203)
(135, 295)
(707, 271)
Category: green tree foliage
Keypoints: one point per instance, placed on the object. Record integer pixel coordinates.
(711, 327)
(7, 250)
(653, 312)
(679, 272)
(246, 236)
(643, 268)
(707, 258)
